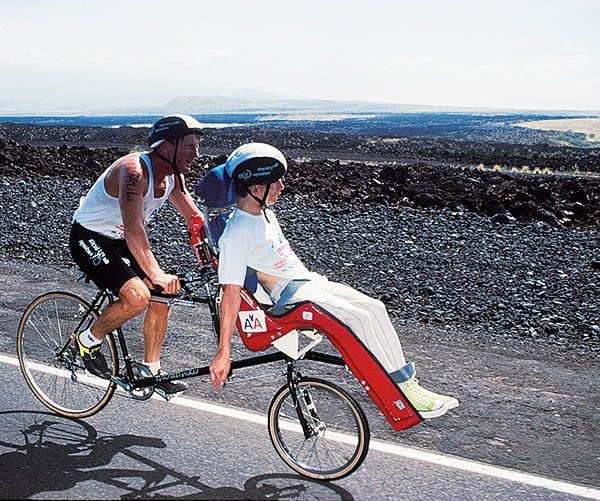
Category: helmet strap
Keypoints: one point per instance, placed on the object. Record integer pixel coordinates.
(173, 163)
(262, 202)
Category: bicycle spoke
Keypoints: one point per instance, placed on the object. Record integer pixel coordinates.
(43, 336)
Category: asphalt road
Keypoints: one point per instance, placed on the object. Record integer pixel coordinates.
(189, 449)
(197, 450)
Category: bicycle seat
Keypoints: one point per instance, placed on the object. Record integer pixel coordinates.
(84, 279)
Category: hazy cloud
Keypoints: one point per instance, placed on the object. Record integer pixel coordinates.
(497, 53)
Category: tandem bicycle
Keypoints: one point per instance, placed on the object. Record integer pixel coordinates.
(316, 427)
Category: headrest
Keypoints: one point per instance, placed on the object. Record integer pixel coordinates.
(216, 188)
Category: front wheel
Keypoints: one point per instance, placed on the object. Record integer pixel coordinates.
(322, 433)
(50, 361)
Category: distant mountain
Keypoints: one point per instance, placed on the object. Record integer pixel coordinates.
(269, 103)
(241, 104)
(266, 103)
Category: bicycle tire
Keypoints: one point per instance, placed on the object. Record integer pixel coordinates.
(340, 435)
(49, 359)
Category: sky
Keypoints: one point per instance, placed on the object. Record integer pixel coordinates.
(88, 54)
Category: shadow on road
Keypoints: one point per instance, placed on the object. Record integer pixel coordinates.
(50, 453)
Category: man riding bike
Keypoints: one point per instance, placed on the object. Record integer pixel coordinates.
(110, 244)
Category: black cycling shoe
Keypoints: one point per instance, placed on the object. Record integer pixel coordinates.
(170, 387)
(94, 360)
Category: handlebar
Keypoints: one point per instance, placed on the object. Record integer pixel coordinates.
(206, 273)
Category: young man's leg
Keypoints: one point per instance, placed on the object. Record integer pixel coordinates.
(381, 325)
(355, 316)
(369, 321)
(385, 332)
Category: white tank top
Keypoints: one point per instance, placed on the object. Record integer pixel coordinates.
(100, 212)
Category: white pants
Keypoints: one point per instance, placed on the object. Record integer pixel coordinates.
(366, 317)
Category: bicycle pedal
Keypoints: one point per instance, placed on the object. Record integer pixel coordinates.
(166, 396)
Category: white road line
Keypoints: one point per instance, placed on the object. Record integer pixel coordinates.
(395, 449)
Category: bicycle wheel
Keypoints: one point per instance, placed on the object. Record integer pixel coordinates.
(336, 439)
(50, 361)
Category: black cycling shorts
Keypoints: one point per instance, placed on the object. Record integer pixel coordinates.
(107, 261)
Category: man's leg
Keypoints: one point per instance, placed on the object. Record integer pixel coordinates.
(155, 329)
(110, 265)
(134, 297)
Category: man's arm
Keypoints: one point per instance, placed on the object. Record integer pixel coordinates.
(132, 187)
(184, 203)
(230, 307)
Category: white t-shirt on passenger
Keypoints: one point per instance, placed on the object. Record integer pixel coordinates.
(250, 241)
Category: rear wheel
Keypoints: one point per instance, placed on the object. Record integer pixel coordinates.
(323, 433)
(50, 361)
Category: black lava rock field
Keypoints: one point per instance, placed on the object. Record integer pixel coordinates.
(495, 242)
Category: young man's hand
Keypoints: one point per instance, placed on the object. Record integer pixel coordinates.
(219, 369)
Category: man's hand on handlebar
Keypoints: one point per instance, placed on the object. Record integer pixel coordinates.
(166, 283)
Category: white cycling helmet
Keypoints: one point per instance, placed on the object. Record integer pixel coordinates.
(256, 163)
